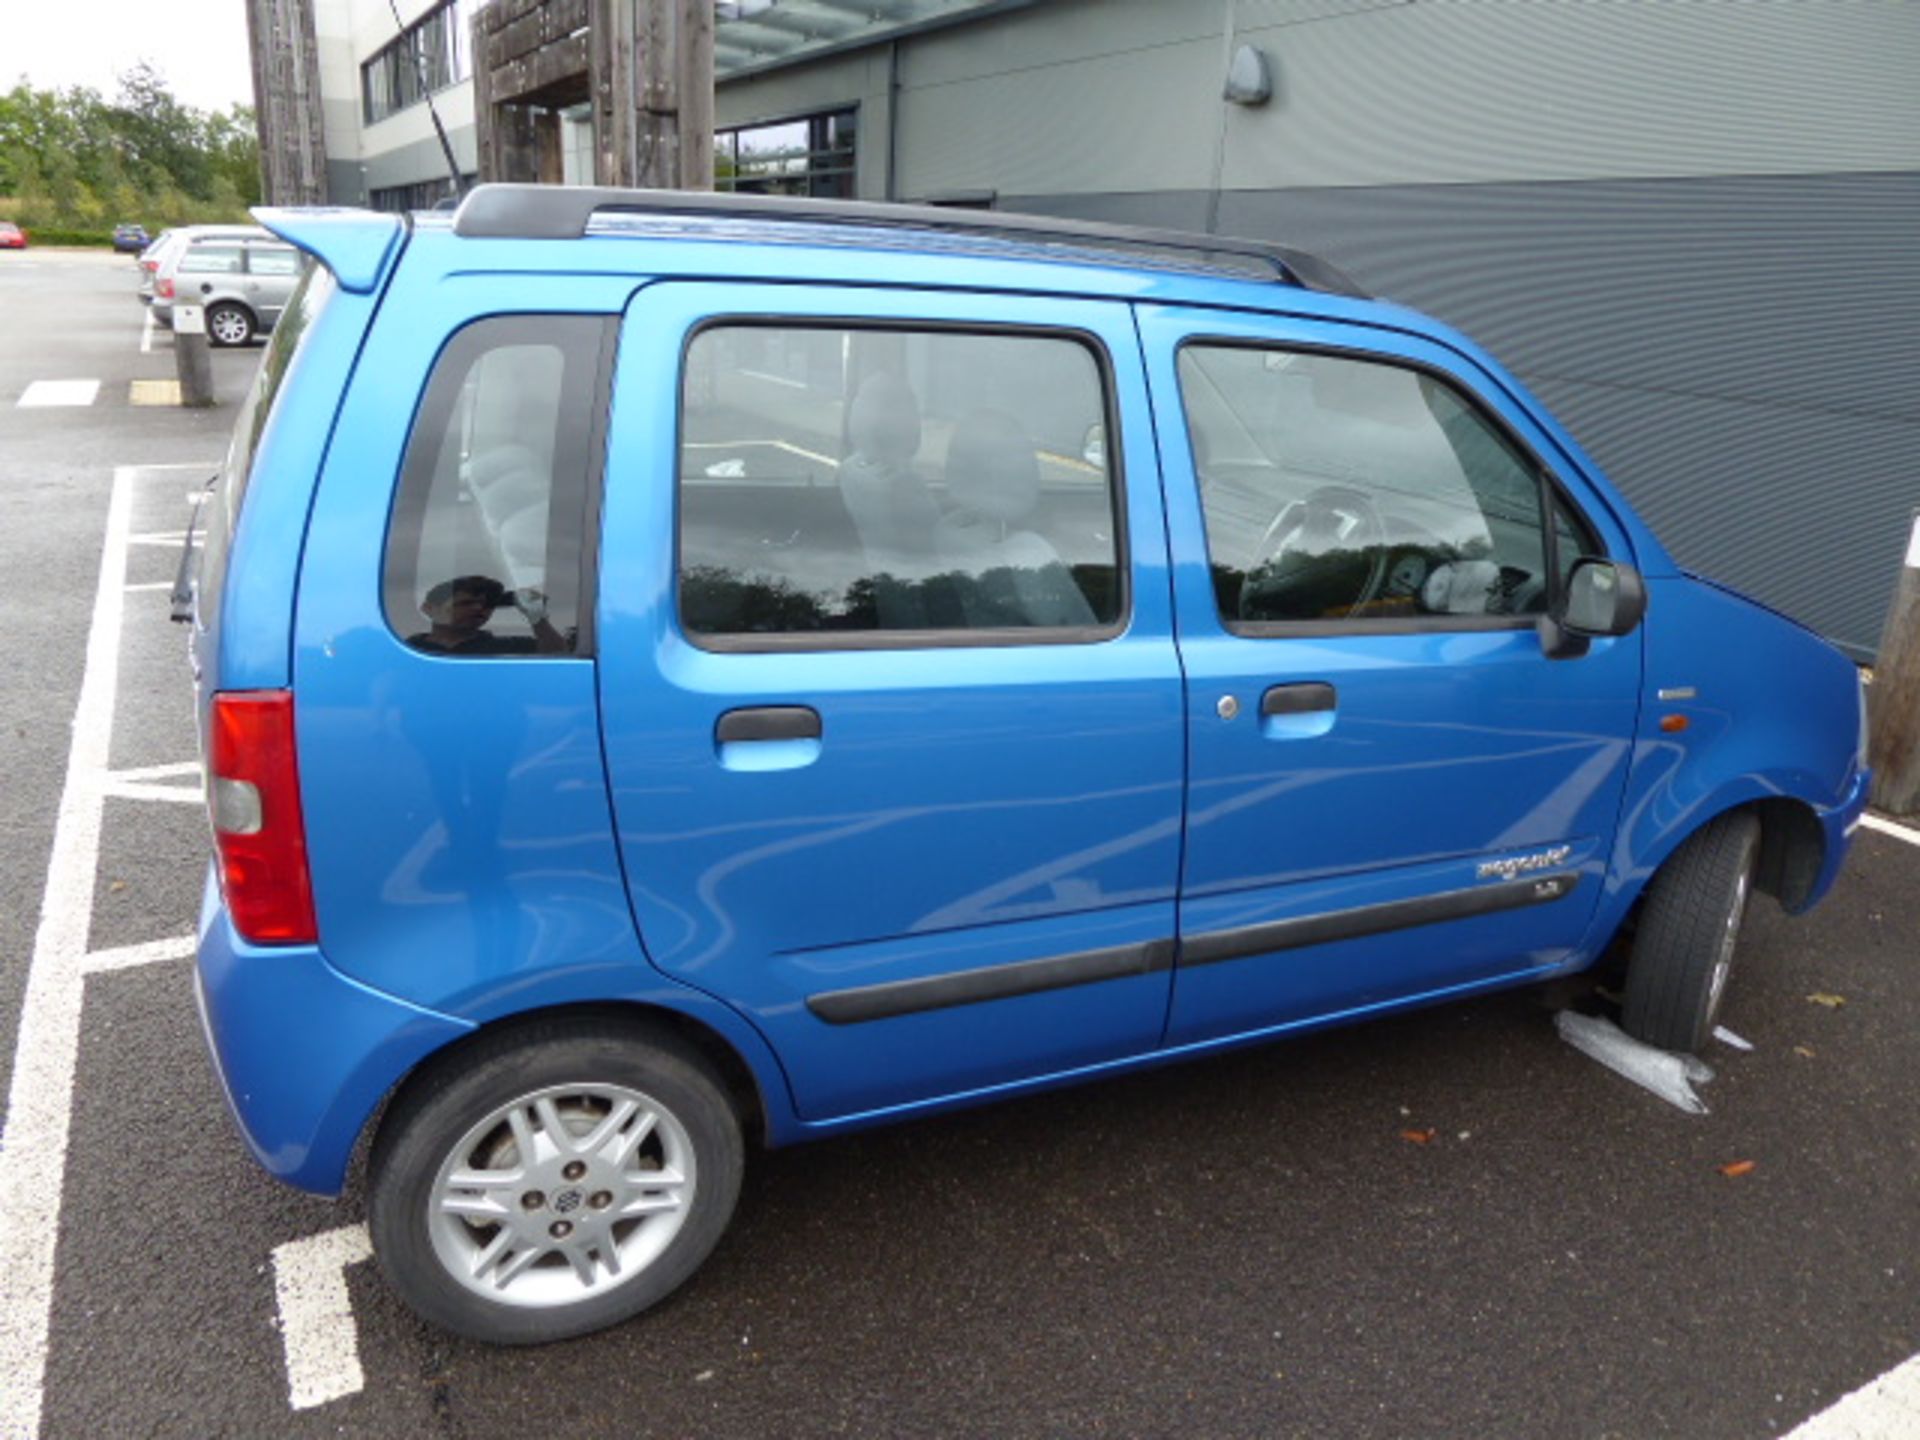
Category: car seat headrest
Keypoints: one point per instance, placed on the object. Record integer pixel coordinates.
(992, 470)
(883, 423)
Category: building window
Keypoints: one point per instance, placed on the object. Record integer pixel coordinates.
(434, 47)
(812, 155)
(421, 195)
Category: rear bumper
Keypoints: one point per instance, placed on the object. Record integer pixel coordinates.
(303, 1053)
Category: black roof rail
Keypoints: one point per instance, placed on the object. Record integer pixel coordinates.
(563, 212)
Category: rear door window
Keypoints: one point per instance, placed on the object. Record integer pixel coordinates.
(487, 551)
(930, 486)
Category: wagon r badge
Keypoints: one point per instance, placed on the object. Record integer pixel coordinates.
(1524, 864)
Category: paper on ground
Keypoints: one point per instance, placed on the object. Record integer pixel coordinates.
(1671, 1077)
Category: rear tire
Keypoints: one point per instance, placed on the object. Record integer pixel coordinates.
(554, 1180)
(1689, 926)
(229, 324)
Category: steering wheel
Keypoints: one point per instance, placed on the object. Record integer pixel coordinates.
(1305, 532)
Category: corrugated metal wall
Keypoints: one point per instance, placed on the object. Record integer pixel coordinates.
(1693, 226)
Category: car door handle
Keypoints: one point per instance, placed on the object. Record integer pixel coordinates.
(1302, 699)
(1298, 711)
(768, 722)
(768, 737)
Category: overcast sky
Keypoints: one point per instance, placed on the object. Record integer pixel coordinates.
(199, 45)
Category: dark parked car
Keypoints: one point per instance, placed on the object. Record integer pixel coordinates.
(130, 239)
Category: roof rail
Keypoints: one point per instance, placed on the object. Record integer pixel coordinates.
(563, 212)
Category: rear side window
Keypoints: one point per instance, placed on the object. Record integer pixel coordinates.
(222, 510)
(273, 260)
(839, 485)
(486, 552)
(211, 260)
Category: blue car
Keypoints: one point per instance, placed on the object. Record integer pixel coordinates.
(683, 671)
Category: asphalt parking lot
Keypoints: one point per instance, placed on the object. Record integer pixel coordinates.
(1448, 1223)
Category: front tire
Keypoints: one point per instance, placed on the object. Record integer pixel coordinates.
(229, 324)
(1689, 926)
(555, 1180)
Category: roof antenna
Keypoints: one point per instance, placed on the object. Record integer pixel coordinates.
(420, 77)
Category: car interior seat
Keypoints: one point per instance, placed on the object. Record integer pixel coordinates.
(1015, 575)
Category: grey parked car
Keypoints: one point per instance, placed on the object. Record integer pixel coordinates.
(243, 284)
(167, 246)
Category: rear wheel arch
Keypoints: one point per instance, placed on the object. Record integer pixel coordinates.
(641, 1019)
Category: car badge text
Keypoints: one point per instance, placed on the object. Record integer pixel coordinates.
(1524, 864)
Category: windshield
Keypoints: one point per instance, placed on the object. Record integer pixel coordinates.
(222, 509)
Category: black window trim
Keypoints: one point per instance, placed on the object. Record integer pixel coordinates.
(1552, 493)
(585, 638)
(960, 637)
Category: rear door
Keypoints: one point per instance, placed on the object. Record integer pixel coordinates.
(889, 691)
(1394, 791)
(272, 272)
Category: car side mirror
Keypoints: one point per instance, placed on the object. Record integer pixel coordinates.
(1599, 598)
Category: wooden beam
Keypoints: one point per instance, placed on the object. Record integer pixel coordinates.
(1894, 749)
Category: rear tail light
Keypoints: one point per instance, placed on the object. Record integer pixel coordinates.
(253, 800)
(163, 288)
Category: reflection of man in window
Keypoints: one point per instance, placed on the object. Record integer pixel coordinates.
(461, 608)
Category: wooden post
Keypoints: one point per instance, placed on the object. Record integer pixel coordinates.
(695, 54)
(286, 102)
(1894, 749)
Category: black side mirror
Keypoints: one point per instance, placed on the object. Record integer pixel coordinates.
(1600, 597)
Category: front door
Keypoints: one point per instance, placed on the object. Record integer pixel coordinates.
(1394, 792)
(891, 702)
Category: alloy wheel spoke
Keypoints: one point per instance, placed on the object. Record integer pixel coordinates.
(552, 1128)
(582, 1261)
(654, 1191)
(620, 1144)
(512, 1264)
(618, 1116)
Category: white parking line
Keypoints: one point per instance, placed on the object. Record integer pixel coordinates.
(58, 392)
(130, 957)
(1888, 827)
(33, 1150)
(146, 332)
(1887, 1409)
(316, 1314)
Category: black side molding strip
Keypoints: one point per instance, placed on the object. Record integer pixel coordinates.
(991, 982)
(1245, 940)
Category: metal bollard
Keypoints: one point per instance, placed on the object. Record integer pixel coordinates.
(192, 361)
(1894, 749)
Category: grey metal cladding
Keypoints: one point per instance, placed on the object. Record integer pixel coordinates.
(1737, 352)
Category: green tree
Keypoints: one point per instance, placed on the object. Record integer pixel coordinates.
(70, 160)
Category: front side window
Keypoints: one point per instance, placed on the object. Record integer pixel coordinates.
(838, 482)
(1337, 489)
(484, 555)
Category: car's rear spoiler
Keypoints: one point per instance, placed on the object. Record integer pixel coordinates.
(356, 245)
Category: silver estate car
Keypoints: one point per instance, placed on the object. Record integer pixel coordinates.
(242, 282)
(169, 243)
